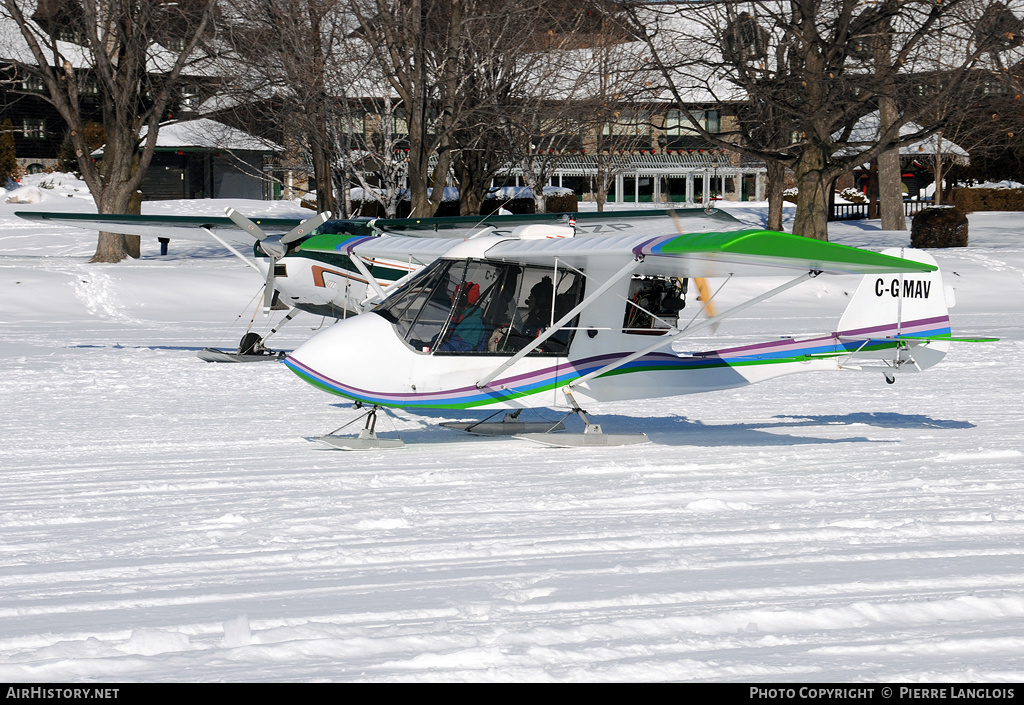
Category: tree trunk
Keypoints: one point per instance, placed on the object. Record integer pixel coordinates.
(325, 200)
(890, 183)
(937, 170)
(471, 203)
(812, 200)
(469, 172)
(600, 192)
(114, 199)
(776, 182)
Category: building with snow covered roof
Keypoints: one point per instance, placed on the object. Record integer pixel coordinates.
(204, 158)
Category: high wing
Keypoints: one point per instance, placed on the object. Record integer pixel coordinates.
(186, 227)
(648, 222)
(397, 247)
(713, 254)
(710, 254)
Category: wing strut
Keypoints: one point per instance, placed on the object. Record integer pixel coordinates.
(370, 279)
(612, 280)
(236, 253)
(662, 342)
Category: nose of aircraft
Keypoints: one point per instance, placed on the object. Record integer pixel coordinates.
(356, 358)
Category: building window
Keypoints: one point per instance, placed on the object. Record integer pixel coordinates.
(33, 128)
(629, 124)
(33, 84)
(353, 123)
(71, 34)
(712, 121)
(189, 98)
(400, 125)
(676, 124)
(174, 43)
(994, 88)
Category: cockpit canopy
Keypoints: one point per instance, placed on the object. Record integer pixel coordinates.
(481, 307)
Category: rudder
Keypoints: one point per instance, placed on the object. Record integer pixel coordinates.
(911, 305)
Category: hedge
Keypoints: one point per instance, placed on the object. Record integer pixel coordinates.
(970, 200)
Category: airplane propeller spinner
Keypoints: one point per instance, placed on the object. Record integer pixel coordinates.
(275, 246)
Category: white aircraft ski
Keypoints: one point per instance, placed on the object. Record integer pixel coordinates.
(339, 285)
(523, 320)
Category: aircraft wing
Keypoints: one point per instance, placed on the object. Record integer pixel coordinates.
(189, 227)
(646, 221)
(396, 248)
(710, 254)
(186, 227)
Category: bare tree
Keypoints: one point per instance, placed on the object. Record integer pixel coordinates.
(544, 123)
(539, 140)
(121, 48)
(814, 68)
(375, 148)
(495, 59)
(417, 45)
(614, 109)
(991, 130)
(465, 72)
(293, 67)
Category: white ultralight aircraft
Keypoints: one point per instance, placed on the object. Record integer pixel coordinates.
(555, 310)
(538, 318)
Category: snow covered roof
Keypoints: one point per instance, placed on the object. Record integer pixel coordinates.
(866, 130)
(210, 134)
(204, 133)
(13, 47)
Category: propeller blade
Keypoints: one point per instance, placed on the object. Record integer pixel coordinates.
(305, 227)
(245, 224)
(701, 282)
(705, 296)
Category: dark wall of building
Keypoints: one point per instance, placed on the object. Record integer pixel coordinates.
(198, 174)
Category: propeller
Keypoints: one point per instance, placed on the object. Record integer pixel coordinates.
(702, 284)
(275, 246)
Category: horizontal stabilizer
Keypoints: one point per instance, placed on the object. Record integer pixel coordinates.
(977, 339)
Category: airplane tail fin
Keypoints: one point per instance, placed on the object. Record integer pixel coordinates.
(900, 320)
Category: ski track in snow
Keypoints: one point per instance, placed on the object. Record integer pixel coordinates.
(164, 519)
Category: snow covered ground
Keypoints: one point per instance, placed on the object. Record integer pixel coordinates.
(164, 519)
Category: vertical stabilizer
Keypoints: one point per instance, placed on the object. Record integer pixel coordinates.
(909, 305)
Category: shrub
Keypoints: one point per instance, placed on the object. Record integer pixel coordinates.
(9, 168)
(939, 226)
(853, 195)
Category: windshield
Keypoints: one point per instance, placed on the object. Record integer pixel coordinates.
(480, 307)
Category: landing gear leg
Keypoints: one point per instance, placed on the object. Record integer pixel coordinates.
(592, 434)
(253, 344)
(367, 439)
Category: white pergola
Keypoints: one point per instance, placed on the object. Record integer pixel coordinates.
(705, 172)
